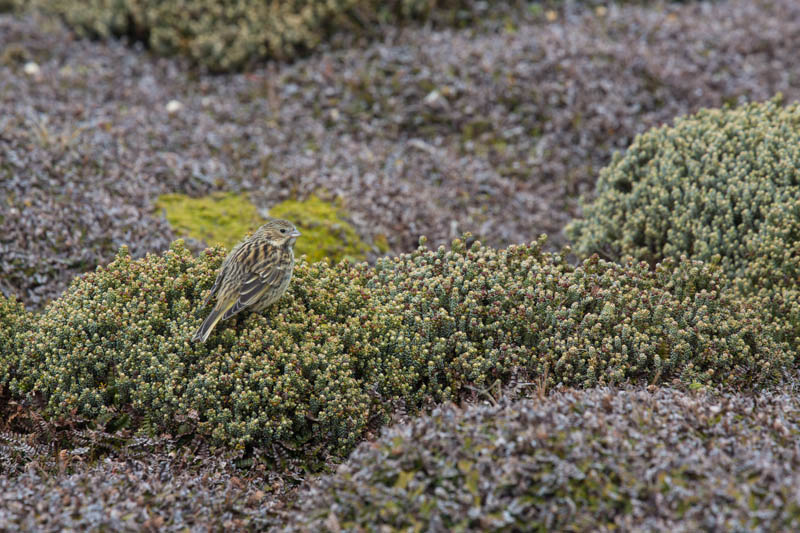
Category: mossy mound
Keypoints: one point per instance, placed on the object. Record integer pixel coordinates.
(225, 218)
(348, 343)
(723, 186)
(599, 460)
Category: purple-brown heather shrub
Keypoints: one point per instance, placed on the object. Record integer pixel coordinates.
(595, 460)
(348, 344)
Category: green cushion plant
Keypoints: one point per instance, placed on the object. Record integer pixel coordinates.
(231, 35)
(227, 36)
(14, 319)
(350, 343)
(720, 186)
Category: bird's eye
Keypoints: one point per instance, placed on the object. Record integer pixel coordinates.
(283, 230)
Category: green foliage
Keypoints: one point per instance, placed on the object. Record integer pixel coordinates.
(225, 36)
(721, 186)
(14, 319)
(227, 217)
(350, 342)
(220, 218)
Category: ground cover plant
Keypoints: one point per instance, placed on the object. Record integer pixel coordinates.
(720, 186)
(136, 495)
(229, 37)
(13, 319)
(351, 343)
(124, 483)
(234, 36)
(671, 460)
(599, 460)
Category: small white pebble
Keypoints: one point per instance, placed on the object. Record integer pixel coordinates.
(432, 97)
(173, 106)
(32, 69)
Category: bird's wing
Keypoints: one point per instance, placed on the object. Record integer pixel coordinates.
(220, 277)
(254, 287)
(266, 268)
(256, 284)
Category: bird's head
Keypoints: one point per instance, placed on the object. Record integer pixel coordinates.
(279, 232)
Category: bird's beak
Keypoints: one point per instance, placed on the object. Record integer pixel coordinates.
(295, 234)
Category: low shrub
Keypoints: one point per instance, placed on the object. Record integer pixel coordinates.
(144, 486)
(348, 344)
(14, 319)
(723, 186)
(226, 36)
(231, 36)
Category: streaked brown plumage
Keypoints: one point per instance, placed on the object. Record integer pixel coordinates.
(254, 275)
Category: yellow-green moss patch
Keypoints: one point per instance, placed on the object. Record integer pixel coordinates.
(222, 218)
(382, 243)
(326, 233)
(226, 217)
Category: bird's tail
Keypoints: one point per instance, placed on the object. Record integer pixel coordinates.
(208, 324)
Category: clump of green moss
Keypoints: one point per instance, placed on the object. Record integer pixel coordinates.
(225, 218)
(723, 186)
(326, 233)
(349, 342)
(220, 218)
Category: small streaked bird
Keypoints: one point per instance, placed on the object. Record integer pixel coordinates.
(254, 275)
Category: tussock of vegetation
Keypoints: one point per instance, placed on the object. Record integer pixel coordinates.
(138, 484)
(14, 319)
(582, 460)
(720, 186)
(351, 343)
(230, 36)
